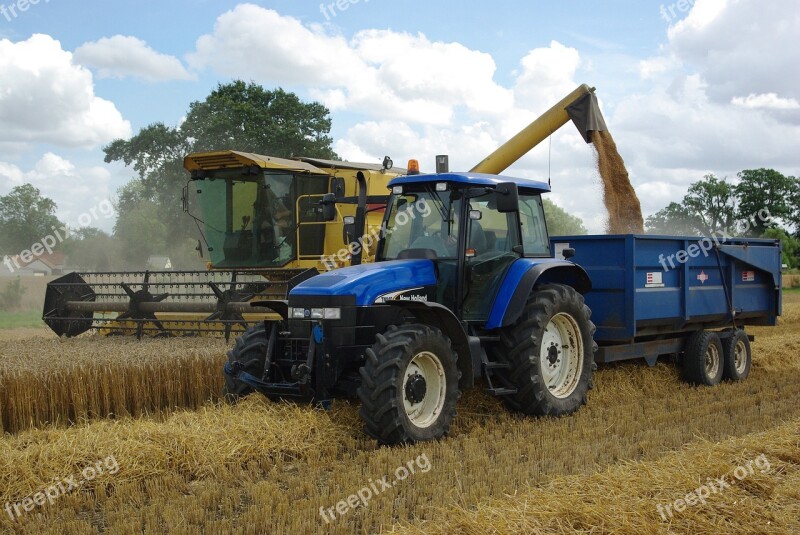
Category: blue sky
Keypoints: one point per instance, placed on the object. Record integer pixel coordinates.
(711, 89)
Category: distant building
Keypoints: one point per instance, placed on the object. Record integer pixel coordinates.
(46, 264)
(159, 263)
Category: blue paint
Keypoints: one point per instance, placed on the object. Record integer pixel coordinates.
(509, 287)
(471, 179)
(626, 304)
(367, 282)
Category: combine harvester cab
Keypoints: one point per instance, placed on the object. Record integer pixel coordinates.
(268, 224)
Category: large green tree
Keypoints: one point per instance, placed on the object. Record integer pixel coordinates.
(236, 116)
(26, 217)
(765, 192)
(708, 207)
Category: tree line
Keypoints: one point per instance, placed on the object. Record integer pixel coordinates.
(763, 203)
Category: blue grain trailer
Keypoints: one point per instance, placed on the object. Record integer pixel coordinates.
(467, 286)
(677, 295)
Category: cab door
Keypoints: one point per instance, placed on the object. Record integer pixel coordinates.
(490, 250)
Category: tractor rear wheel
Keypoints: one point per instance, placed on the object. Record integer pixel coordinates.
(409, 385)
(250, 352)
(738, 356)
(550, 353)
(703, 359)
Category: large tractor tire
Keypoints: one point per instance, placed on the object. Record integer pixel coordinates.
(703, 359)
(550, 353)
(738, 356)
(409, 385)
(250, 350)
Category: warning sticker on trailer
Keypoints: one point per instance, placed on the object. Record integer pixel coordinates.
(748, 276)
(655, 279)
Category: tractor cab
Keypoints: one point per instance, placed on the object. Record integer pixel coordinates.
(472, 226)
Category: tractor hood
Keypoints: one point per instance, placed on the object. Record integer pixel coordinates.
(368, 282)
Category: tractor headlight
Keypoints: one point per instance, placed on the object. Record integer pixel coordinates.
(315, 313)
(333, 313)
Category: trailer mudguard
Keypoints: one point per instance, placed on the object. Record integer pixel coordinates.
(520, 279)
(467, 347)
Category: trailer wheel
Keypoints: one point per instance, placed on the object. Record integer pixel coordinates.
(703, 359)
(738, 356)
(250, 352)
(409, 385)
(550, 352)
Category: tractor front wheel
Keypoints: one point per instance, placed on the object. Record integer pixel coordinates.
(249, 354)
(409, 385)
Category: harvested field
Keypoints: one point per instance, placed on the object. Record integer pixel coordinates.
(260, 467)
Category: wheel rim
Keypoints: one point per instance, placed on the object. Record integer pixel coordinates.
(740, 357)
(712, 361)
(561, 355)
(424, 389)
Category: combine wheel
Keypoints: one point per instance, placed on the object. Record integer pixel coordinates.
(737, 356)
(703, 359)
(409, 385)
(250, 352)
(550, 353)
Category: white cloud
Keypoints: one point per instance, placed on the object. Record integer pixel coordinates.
(766, 100)
(75, 191)
(387, 74)
(741, 47)
(121, 56)
(45, 97)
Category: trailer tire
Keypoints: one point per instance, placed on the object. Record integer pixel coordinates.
(250, 351)
(703, 359)
(409, 385)
(533, 349)
(738, 356)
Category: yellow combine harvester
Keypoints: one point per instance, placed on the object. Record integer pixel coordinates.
(269, 224)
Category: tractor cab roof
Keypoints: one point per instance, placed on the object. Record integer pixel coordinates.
(471, 179)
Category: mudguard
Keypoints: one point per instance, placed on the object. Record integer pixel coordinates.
(520, 279)
(467, 347)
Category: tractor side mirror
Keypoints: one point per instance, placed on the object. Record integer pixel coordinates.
(568, 253)
(328, 207)
(507, 197)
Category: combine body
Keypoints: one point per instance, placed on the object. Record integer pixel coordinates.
(268, 223)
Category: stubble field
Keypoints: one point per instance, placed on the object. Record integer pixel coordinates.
(188, 464)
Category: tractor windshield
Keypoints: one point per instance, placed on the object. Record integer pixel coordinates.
(249, 219)
(422, 221)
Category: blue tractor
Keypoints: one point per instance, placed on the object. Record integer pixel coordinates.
(465, 286)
